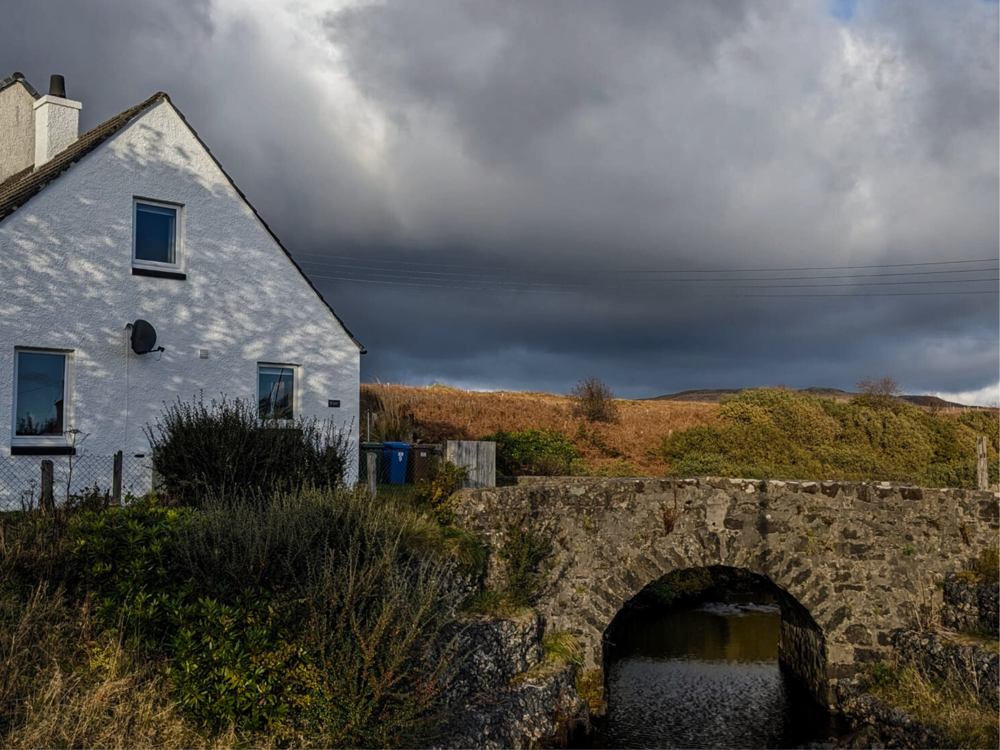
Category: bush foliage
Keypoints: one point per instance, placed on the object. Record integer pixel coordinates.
(594, 401)
(223, 449)
(314, 617)
(782, 434)
(533, 452)
(436, 489)
(522, 555)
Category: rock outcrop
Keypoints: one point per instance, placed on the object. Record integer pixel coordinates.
(505, 694)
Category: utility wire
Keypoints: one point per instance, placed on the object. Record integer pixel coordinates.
(431, 274)
(554, 291)
(570, 288)
(679, 270)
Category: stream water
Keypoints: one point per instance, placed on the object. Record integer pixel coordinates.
(706, 677)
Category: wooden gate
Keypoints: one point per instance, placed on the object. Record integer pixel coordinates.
(479, 457)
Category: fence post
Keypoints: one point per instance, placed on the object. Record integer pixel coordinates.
(982, 471)
(372, 478)
(116, 482)
(48, 498)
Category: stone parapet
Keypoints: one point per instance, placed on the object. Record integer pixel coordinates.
(853, 561)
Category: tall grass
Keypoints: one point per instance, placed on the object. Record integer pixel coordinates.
(965, 719)
(326, 605)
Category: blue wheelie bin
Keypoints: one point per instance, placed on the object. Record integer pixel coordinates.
(394, 459)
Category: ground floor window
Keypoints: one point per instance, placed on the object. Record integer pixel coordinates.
(276, 391)
(39, 393)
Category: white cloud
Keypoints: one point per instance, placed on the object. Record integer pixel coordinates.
(988, 396)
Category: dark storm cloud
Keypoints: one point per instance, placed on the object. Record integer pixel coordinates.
(570, 142)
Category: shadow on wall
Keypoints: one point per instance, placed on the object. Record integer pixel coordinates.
(65, 269)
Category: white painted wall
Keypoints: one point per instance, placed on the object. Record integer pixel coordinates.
(66, 283)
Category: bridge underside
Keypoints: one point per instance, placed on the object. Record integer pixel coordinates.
(859, 560)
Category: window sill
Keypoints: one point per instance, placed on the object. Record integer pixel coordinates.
(42, 450)
(157, 273)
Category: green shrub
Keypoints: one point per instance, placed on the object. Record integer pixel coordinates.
(224, 449)
(522, 556)
(442, 481)
(124, 558)
(307, 614)
(678, 584)
(533, 452)
(777, 434)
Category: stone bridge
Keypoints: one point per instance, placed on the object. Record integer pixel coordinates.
(850, 562)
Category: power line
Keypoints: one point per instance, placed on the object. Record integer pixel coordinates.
(369, 267)
(552, 291)
(570, 288)
(679, 270)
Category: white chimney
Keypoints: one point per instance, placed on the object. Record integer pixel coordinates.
(57, 122)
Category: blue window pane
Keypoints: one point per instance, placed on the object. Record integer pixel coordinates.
(40, 393)
(154, 233)
(275, 392)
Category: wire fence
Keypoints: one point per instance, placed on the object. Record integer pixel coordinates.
(21, 478)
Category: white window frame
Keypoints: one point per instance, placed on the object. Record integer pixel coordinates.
(154, 265)
(68, 372)
(296, 392)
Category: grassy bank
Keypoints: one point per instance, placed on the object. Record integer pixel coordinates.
(761, 433)
(250, 610)
(310, 619)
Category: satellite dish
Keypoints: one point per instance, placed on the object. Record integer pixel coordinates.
(143, 338)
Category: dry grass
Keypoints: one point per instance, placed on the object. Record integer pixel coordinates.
(630, 446)
(964, 719)
(59, 688)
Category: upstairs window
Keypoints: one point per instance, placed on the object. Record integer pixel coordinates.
(154, 235)
(276, 391)
(39, 394)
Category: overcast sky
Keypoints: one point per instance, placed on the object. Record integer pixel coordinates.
(503, 194)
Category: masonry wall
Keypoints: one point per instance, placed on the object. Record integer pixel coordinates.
(66, 283)
(861, 559)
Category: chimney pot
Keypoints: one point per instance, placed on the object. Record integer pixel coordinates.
(57, 86)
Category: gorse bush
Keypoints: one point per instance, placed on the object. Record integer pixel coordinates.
(594, 401)
(533, 453)
(788, 435)
(223, 449)
(443, 480)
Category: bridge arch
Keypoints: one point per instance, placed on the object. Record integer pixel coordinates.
(860, 559)
(801, 641)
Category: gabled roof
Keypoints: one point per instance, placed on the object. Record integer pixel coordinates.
(19, 188)
(19, 78)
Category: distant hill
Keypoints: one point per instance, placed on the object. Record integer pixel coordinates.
(714, 395)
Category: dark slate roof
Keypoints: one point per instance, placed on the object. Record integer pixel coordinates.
(19, 77)
(19, 188)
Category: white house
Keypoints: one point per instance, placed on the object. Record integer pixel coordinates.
(135, 220)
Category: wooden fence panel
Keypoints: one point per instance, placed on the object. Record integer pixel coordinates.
(478, 456)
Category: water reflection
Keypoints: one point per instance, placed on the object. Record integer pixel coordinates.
(706, 677)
